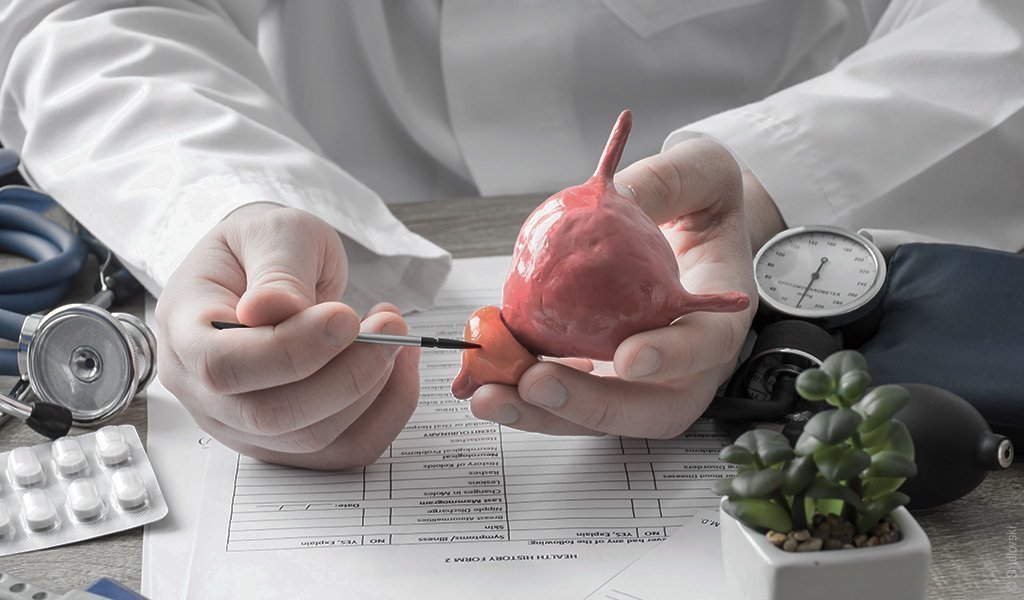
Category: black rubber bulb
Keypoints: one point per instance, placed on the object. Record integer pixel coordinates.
(953, 445)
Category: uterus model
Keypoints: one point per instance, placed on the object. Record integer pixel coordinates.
(589, 269)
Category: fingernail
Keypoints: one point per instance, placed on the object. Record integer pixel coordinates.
(547, 392)
(645, 363)
(391, 350)
(626, 190)
(505, 415)
(340, 330)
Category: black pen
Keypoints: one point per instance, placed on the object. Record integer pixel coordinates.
(384, 338)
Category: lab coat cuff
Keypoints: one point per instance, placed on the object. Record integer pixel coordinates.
(174, 231)
(784, 162)
(386, 261)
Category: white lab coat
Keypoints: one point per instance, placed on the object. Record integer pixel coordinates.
(152, 120)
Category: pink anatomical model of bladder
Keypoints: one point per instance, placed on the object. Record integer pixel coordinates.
(589, 269)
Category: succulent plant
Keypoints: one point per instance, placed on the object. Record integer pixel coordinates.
(850, 459)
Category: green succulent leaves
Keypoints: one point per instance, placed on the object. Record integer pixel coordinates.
(815, 384)
(889, 463)
(826, 490)
(852, 385)
(853, 455)
(833, 426)
(880, 404)
(737, 455)
(767, 447)
(757, 484)
(839, 462)
(798, 475)
(878, 508)
(760, 514)
(844, 361)
(841, 380)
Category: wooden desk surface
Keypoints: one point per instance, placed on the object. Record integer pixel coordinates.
(976, 541)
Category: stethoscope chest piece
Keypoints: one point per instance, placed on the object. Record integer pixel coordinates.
(86, 359)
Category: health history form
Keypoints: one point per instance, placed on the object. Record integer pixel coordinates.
(455, 494)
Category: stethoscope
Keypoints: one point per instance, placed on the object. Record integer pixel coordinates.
(77, 364)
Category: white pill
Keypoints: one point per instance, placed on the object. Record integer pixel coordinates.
(69, 457)
(84, 499)
(111, 445)
(38, 510)
(129, 489)
(24, 468)
(6, 527)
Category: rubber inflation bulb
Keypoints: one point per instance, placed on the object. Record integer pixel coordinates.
(954, 447)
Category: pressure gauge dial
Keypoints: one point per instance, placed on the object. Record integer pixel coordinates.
(820, 272)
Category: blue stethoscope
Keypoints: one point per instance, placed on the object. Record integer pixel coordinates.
(77, 364)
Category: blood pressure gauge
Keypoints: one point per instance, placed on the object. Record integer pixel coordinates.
(811, 280)
(821, 273)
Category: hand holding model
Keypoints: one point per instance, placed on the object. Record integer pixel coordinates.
(592, 276)
(291, 389)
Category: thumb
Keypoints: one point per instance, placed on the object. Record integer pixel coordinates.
(289, 263)
(688, 177)
(272, 300)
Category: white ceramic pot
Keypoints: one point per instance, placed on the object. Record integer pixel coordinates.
(757, 570)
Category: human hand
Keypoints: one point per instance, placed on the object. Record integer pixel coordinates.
(663, 379)
(293, 388)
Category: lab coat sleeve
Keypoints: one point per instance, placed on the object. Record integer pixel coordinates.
(920, 130)
(152, 121)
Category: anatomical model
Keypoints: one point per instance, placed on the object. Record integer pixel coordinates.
(589, 269)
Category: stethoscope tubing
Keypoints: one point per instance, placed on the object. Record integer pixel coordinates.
(58, 254)
(9, 161)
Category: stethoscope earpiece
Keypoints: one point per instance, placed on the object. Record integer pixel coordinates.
(51, 420)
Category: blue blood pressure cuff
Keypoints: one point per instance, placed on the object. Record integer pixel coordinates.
(953, 317)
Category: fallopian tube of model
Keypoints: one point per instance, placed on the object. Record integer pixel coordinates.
(589, 269)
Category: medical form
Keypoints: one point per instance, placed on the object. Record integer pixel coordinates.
(454, 504)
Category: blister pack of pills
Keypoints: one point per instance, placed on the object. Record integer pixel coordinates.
(75, 488)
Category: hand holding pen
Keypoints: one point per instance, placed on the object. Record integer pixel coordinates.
(301, 392)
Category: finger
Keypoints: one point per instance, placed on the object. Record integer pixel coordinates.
(693, 344)
(501, 404)
(383, 421)
(312, 438)
(363, 442)
(209, 281)
(382, 307)
(291, 260)
(235, 361)
(613, 405)
(341, 383)
(686, 178)
(580, 364)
